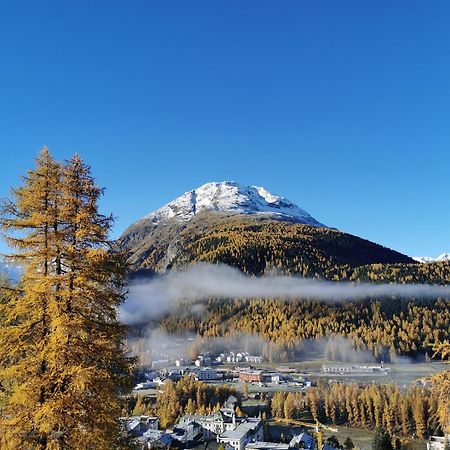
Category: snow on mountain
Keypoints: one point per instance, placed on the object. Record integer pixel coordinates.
(423, 259)
(444, 257)
(10, 270)
(230, 197)
(429, 259)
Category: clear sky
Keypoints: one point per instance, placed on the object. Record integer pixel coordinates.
(341, 106)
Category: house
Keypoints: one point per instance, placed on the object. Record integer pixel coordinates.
(438, 442)
(155, 439)
(248, 430)
(186, 433)
(207, 374)
(253, 376)
(254, 359)
(303, 440)
(213, 424)
(274, 377)
(137, 425)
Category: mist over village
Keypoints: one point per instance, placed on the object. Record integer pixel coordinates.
(224, 225)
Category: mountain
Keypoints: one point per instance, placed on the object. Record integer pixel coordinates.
(428, 259)
(233, 198)
(248, 228)
(10, 270)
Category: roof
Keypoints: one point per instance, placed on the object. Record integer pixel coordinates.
(266, 446)
(217, 416)
(307, 439)
(241, 430)
(251, 372)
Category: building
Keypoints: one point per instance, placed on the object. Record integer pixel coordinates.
(254, 359)
(266, 446)
(343, 369)
(207, 374)
(138, 425)
(145, 385)
(252, 376)
(186, 433)
(274, 377)
(155, 439)
(231, 402)
(438, 442)
(303, 440)
(213, 424)
(248, 430)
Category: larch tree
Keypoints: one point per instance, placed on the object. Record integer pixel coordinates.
(61, 344)
(441, 387)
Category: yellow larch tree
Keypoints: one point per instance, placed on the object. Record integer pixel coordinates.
(61, 343)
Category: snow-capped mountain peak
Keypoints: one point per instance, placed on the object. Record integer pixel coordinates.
(443, 257)
(428, 259)
(231, 197)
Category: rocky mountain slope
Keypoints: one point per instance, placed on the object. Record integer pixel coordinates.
(249, 228)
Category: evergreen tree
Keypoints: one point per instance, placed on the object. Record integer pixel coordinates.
(348, 444)
(382, 440)
(61, 344)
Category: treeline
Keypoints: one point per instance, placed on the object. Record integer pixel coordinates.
(385, 328)
(412, 412)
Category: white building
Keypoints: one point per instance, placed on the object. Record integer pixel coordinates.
(266, 446)
(438, 442)
(254, 359)
(249, 430)
(213, 424)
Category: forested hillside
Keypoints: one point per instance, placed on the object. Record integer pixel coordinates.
(386, 328)
(253, 245)
(258, 246)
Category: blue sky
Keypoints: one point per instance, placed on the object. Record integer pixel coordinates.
(342, 107)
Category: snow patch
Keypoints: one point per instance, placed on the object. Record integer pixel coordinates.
(231, 197)
(428, 259)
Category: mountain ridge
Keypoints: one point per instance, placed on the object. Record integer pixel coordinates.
(429, 259)
(230, 197)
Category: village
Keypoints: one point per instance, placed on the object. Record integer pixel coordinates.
(234, 427)
(224, 427)
(233, 367)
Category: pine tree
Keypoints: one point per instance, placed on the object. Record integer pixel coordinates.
(348, 444)
(62, 341)
(382, 440)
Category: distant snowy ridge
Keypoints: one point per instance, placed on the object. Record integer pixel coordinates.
(428, 259)
(10, 270)
(230, 197)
